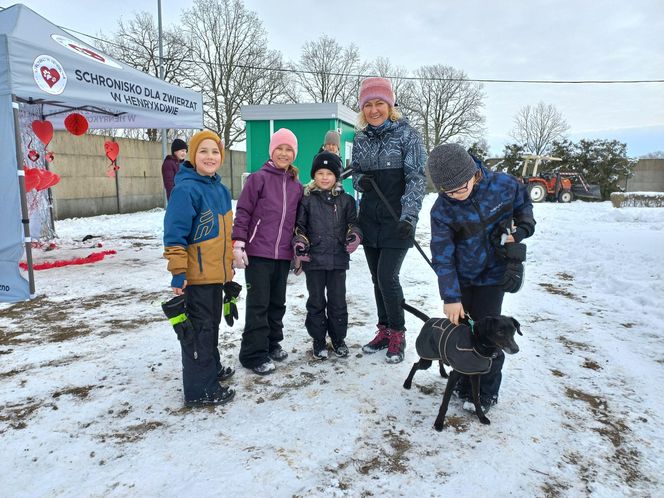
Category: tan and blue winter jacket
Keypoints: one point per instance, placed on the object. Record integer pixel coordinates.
(197, 229)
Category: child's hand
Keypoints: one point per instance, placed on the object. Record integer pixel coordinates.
(178, 291)
(352, 242)
(178, 283)
(301, 251)
(240, 258)
(453, 312)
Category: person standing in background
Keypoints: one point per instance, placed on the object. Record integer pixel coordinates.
(172, 163)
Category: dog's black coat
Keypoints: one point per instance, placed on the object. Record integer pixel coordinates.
(441, 340)
(487, 337)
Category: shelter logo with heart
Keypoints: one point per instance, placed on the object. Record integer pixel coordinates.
(49, 74)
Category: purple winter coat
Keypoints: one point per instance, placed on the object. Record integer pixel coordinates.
(265, 212)
(169, 169)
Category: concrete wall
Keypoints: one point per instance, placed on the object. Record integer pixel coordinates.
(85, 190)
(648, 176)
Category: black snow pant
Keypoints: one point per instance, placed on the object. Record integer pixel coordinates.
(200, 351)
(480, 302)
(335, 322)
(385, 265)
(265, 308)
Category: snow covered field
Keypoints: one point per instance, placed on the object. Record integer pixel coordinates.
(91, 402)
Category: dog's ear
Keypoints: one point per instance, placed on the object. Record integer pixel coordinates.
(517, 325)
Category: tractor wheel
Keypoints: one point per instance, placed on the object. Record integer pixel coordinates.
(537, 192)
(565, 196)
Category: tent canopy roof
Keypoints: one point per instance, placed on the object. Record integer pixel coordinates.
(41, 63)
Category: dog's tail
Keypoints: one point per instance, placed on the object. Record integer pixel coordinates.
(414, 311)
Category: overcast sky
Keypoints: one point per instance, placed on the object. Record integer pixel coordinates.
(520, 39)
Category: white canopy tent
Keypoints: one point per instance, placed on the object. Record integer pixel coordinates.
(44, 65)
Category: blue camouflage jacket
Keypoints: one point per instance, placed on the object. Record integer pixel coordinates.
(394, 155)
(461, 248)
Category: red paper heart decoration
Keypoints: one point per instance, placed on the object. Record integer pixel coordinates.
(52, 179)
(76, 124)
(44, 177)
(33, 155)
(49, 157)
(112, 150)
(43, 130)
(31, 178)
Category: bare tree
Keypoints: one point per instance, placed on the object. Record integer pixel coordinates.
(445, 105)
(136, 43)
(330, 72)
(234, 65)
(538, 127)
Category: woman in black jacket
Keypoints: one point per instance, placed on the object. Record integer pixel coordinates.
(388, 168)
(325, 235)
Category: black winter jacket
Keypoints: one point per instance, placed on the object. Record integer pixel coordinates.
(325, 220)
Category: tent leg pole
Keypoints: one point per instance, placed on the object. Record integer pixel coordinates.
(24, 202)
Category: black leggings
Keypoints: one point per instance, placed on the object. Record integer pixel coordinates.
(385, 265)
(480, 302)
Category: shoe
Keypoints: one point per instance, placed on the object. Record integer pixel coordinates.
(396, 347)
(381, 341)
(486, 402)
(225, 373)
(221, 397)
(265, 368)
(340, 349)
(278, 354)
(320, 352)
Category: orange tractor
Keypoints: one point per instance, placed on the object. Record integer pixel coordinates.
(556, 187)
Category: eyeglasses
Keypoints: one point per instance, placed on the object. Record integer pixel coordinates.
(460, 190)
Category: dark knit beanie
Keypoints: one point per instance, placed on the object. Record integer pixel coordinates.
(450, 166)
(177, 145)
(326, 160)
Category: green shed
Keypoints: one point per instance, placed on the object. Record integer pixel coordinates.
(309, 122)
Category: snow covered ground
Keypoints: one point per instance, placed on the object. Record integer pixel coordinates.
(91, 401)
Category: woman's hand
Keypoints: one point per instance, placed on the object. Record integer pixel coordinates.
(454, 311)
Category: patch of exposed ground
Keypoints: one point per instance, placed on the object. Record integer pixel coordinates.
(615, 430)
(574, 346)
(132, 433)
(557, 289)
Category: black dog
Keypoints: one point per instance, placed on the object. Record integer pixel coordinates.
(467, 348)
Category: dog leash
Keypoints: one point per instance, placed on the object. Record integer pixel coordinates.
(396, 218)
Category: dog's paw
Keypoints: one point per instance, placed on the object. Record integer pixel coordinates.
(439, 427)
(485, 421)
(406, 385)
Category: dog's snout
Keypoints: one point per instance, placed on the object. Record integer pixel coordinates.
(511, 349)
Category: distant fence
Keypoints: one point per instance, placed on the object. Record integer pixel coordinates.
(648, 176)
(85, 190)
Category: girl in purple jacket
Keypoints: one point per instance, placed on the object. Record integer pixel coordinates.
(262, 233)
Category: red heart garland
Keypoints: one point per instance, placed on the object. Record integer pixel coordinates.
(43, 130)
(76, 124)
(112, 150)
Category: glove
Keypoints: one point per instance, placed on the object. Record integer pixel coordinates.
(231, 292)
(302, 251)
(405, 230)
(514, 273)
(240, 258)
(175, 312)
(364, 182)
(353, 240)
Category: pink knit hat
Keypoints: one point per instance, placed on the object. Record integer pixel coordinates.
(283, 136)
(376, 88)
